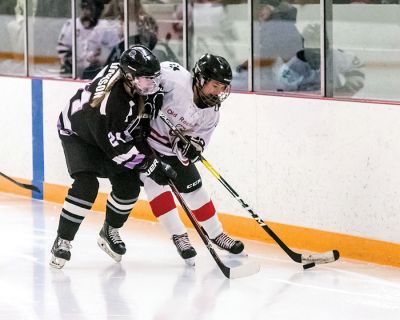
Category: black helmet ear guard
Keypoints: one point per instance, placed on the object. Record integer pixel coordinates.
(212, 67)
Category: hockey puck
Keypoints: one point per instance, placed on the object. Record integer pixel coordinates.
(308, 265)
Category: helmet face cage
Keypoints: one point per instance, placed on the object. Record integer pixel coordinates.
(210, 67)
(212, 100)
(147, 85)
(141, 69)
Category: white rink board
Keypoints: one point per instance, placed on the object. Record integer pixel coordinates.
(16, 127)
(321, 164)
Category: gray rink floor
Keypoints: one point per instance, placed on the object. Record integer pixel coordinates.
(152, 281)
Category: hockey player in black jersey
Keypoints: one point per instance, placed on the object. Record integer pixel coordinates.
(103, 132)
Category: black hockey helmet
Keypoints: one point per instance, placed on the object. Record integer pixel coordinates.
(139, 61)
(212, 67)
(138, 64)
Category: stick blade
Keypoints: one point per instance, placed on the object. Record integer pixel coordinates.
(31, 187)
(321, 258)
(19, 184)
(244, 270)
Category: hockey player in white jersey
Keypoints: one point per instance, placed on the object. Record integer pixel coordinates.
(192, 104)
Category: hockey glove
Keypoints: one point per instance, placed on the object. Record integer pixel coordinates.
(191, 150)
(159, 171)
(153, 104)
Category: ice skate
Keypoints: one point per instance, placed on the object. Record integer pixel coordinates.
(110, 242)
(185, 249)
(224, 242)
(60, 253)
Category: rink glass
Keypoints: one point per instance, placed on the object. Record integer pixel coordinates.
(343, 49)
(370, 31)
(12, 35)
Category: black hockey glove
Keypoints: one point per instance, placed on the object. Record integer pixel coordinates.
(153, 104)
(193, 149)
(159, 171)
(140, 141)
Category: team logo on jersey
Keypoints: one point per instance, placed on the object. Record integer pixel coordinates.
(171, 113)
(174, 66)
(182, 121)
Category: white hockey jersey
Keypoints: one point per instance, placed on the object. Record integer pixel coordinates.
(179, 107)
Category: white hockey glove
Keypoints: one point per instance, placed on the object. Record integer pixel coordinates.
(191, 150)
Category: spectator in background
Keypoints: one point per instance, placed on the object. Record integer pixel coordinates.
(93, 36)
(276, 40)
(143, 30)
(177, 27)
(213, 30)
(16, 28)
(143, 27)
(303, 71)
(105, 36)
(280, 37)
(178, 15)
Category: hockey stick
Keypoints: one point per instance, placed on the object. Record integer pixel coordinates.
(308, 260)
(22, 185)
(240, 271)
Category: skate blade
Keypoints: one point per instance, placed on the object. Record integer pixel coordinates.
(238, 255)
(106, 248)
(57, 263)
(190, 262)
(228, 254)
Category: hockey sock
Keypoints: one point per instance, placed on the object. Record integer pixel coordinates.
(204, 210)
(72, 215)
(212, 226)
(172, 223)
(163, 207)
(77, 204)
(118, 210)
(200, 203)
